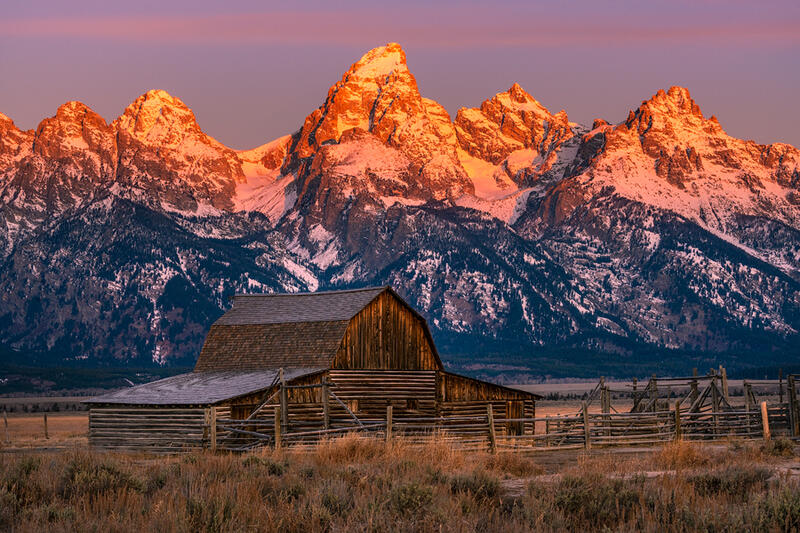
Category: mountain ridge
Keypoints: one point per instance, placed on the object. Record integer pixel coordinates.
(507, 223)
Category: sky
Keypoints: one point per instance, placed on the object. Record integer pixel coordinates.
(252, 70)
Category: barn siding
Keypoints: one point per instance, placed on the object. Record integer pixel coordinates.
(157, 429)
(386, 335)
(411, 393)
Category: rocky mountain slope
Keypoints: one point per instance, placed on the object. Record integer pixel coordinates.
(516, 232)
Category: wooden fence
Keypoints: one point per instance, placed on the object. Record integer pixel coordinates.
(583, 431)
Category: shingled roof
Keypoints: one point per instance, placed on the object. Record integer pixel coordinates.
(199, 388)
(269, 331)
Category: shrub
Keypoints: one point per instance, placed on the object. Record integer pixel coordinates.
(595, 500)
(411, 498)
(779, 511)
(84, 477)
(733, 481)
(681, 454)
(337, 498)
(478, 483)
(211, 516)
(780, 447)
(273, 468)
(514, 464)
(58, 513)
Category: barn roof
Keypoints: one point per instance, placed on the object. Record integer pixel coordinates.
(199, 388)
(285, 330)
(330, 306)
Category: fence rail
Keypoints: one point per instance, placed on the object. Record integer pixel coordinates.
(587, 430)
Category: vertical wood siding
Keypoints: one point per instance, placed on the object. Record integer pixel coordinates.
(386, 335)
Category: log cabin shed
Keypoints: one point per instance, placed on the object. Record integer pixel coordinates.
(366, 348)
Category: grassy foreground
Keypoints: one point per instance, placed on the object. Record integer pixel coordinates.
(351, 484)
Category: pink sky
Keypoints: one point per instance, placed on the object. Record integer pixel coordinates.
(253, 71)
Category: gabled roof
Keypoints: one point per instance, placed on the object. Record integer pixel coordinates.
(270, 331)
(330, 306)
(199, 388)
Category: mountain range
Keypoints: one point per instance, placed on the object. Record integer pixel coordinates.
(531, 243)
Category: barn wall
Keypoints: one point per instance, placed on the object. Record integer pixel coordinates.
(386, 335)
(462, 396)
(411, 393)
(156, 429)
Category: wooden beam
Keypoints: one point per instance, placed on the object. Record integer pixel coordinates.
(765, 421)
(277, 427)
(389, 423)
(284, 401)
(793, 407)
(725, 384)
(678, 433)
(351, 413)
(326, 415)
(492, 434)
(587, 442)
(213, 428)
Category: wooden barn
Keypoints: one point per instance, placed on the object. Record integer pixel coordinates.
(328, 359)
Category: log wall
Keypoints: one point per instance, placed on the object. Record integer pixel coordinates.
(411, 393)
(155, 429)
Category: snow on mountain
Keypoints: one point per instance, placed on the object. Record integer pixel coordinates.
(509, 224)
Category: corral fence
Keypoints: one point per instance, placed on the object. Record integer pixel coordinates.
(696, 408)
(583, 431)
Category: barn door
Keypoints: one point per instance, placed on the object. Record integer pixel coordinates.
(514, 409)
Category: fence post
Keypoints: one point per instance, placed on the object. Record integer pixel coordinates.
(492, 434)
(715, 404)
(586, 430)
(326, 415)
(678, 432)
(547, 431)
(212, 426)
(284, 401)
(765, 420)
(388, 423)
(792, 406)
(46, 434)
(206, 417)
(5, 423)
(725, 384)
(654, 392)
(780, 384)
(748, 404)
(277, 427)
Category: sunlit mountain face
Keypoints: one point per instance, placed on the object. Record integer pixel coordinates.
(517, 233)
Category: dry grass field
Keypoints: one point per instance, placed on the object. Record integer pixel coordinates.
(27, 430)
(354, 484)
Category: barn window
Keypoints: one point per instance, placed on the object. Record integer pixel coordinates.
(514, 409)
(352, 405)
(412, 404)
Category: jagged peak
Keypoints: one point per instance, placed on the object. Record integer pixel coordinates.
(675, 101)
(152, 107)
(380, 62)
(73, 109)
(161, 97)
(518, 99)
(6, 121)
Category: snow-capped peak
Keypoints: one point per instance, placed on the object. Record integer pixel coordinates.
(153, 115)
(380, 62)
